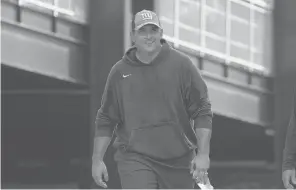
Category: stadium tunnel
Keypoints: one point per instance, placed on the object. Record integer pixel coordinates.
(53, 78)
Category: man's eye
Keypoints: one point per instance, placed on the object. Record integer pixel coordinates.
(141, 31)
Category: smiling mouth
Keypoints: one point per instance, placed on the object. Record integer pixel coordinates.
(149, 43)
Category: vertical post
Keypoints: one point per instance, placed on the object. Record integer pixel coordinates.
(228, 29)
(268, 45)
(127, 23)
(251, 40)
(285, 72)
(55, 14)
(251, 31)
(19, 11)
(138, 5)
(106, 47)
(176, 21)
(203, 23)
(55, 4)
(228, 37)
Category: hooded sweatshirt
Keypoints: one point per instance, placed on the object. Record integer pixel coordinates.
(289, 157)
(151, 106)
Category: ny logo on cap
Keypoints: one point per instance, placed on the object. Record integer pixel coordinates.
(146, 16)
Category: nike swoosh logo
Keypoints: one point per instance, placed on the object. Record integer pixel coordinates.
(124, 76)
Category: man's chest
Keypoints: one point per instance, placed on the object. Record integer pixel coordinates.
(150, 82)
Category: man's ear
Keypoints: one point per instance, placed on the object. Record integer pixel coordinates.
(161, 32)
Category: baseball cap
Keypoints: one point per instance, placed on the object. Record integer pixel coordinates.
(145, 17)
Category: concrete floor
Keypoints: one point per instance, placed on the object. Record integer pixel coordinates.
(221, 179)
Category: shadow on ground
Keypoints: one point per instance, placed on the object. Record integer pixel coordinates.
(243, 179)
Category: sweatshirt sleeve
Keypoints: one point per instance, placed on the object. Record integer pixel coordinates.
(289, 157)
(196, 98)
(108, 115)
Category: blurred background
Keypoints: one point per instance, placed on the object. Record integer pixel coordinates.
(56, 56)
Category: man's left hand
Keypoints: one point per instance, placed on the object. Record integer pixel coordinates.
(199, 167)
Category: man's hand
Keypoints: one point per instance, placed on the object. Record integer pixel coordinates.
(199, 167)
(99, 173)
(289, 178)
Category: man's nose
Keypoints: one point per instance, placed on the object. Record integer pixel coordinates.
(148, 35)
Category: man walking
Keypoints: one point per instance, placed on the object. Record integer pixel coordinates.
(289, 157)
(157, 103)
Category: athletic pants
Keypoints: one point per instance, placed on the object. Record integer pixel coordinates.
(137, 172)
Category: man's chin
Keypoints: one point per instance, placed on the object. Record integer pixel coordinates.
(150, 48)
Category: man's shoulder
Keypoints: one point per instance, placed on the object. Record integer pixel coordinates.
(184, 62)
(178, 54)
(118, 65)
(181, 58)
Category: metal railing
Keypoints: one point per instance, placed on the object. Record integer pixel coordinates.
(259, 6)
(52, 7)
(227, 58)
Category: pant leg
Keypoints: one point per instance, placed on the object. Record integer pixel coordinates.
(136, 175)
(170, 178)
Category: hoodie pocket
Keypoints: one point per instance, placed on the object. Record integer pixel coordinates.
(159, 141)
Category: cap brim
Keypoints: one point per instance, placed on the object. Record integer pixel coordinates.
(146, 23)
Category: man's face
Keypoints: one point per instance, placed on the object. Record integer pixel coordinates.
(147, 38)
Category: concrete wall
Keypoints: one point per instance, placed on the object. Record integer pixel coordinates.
(36, 41)
(45, 98)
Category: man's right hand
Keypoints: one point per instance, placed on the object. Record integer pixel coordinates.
(99, 173)
(289, 178)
